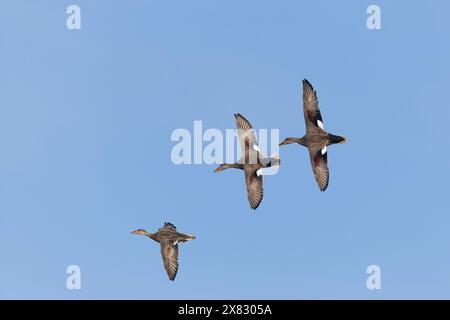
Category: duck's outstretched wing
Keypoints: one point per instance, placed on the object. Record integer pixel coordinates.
(254, 185)
(319, 164)
(169, 253)
(311, 111)
(168, 226)
(247, 139)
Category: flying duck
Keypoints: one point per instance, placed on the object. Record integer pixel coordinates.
(316, 139)
(251, 161)
(169, 238)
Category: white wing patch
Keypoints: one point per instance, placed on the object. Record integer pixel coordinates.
(256, 147)
(320, 124)
(259, 172)
(324, 150)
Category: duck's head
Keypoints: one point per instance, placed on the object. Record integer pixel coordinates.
(287, 141)
(139, 231)
(224, 166)
(290, 140)
(219, 168)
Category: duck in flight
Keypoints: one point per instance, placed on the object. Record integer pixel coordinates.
(251, 161)
(316, 139)
(168, 237)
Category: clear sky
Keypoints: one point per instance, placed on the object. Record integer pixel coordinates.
(85, 123)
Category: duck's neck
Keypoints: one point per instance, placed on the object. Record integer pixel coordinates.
(290, 140)
(148, 234)
(302, 141)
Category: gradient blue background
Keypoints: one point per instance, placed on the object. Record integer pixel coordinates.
(85, 124)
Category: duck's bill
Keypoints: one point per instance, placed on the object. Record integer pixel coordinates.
(218, 169)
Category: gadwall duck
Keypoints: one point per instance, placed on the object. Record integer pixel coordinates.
(251, 161)
(169, 238)
(316, 138)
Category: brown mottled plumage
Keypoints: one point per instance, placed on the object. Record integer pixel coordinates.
(250, 162)
(316, 138)
(169, 238)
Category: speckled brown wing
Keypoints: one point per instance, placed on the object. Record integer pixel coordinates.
(242, 123)
(169, 253)
(319, 164)
(311, 111)
(247, 139)
(254, 185)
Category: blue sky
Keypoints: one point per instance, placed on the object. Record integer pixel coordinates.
(85, 123)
